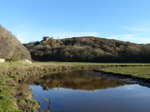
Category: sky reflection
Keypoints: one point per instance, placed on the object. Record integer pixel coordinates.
(121, 98)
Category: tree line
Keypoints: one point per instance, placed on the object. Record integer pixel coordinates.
(88, 49)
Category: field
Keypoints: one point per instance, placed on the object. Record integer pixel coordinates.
(90, 63)
(137, 72)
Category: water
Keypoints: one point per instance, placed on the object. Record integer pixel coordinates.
(76, 92)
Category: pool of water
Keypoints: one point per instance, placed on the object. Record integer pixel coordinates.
(77, 92)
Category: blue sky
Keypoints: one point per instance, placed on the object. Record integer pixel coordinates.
(30, 20)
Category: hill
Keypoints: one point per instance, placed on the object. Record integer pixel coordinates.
(11, 48)
(88, 49)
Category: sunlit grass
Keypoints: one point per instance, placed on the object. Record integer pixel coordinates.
(12, 63)
(91, 63)
(140, 72)
(70, 63)
(6, 98)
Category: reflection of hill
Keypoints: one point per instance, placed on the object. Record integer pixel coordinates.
(76, 80)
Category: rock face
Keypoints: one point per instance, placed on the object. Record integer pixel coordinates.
(10, 47)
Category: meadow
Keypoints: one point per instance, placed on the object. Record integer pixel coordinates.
(133, 71)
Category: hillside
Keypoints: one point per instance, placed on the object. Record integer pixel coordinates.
(88, 49)
(10, 47)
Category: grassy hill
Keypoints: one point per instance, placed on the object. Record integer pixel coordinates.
(88, 49)
(10, 47)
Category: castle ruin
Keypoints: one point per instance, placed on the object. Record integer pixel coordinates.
(45, 38)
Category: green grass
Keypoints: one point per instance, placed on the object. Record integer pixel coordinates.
(69, 63)
(91, 63)
(12, 63)
(6, 98)
(139, 72)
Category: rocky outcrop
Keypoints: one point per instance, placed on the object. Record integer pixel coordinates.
(11, 48)
(26, 61)
(2, 60)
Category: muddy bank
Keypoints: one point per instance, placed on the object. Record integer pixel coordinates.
(118, 77)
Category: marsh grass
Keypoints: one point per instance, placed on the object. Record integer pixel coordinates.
(137, 72)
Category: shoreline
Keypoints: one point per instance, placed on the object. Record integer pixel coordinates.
(118, 77)
(20, 95)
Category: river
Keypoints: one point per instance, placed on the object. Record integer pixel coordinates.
(77, 92)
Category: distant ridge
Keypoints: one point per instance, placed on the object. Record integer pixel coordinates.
(88, 49)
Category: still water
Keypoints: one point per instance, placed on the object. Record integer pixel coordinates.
(77, 92)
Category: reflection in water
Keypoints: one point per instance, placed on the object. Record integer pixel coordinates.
(76, 92)
(76, 80)
(47, 109)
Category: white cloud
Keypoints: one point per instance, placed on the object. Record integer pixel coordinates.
(68, 35)
(25, 35)
(144, 40)
(135, 39)
(137, 29)
(113, 37)
(122, 37)
(62, 35)
(130, 38)
(88, 33)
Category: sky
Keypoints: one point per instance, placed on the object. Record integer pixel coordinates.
(30, 20)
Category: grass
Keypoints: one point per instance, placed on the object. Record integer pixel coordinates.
(6, 97)
(14, 71)
(137, 72)
(91, 63)
(71, 63)
(12, 64)
(9, 96)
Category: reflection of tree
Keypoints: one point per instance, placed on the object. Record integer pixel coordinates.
(76, 80)
(48, 107)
